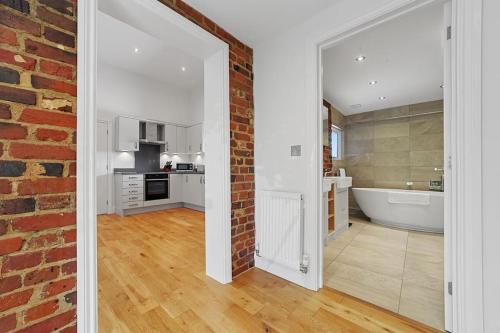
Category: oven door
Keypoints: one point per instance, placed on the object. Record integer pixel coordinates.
(156, 189)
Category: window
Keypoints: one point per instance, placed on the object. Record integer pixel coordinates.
(337, 140)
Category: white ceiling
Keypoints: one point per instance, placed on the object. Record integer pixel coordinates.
(404, 55)
(155, 59)
(254, 21)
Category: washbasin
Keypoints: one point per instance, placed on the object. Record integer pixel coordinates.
(340, 182)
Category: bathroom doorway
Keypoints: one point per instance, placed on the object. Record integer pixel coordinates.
(384, 145)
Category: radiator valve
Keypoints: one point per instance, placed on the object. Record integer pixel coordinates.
(304, 266)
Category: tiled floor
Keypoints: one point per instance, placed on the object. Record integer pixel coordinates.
(399, 270)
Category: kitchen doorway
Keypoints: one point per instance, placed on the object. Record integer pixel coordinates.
(102, 167)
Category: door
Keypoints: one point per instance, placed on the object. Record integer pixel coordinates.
(101, 167)
(170, 139)
(127, 136)
(181, 140)
(194, 134)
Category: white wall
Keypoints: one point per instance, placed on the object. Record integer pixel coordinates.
(491, 163)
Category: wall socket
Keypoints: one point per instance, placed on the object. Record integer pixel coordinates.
(296, 150)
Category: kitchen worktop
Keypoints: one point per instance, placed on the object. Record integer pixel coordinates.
(134, 172)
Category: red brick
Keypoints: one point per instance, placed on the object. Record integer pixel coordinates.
(42, 241)
(69, 268)
(50, 52)
(30, 151)
(51, 324)
(61, 253)
(3, 227)
(12, 131)
(41, 222)
(41, 275)
(40, 82)
(54, 202)
(70, 329)
(56, 19)
(10, 245)
(8, 323)
(16, 59)
(14, 300)
(72, 169)
(46, 185)
(21, 261)
(19, 22)
(17, 206)
(56, 69)
(46, 134)
(58, 287)
(62, 6)
(42, 310)
(5, 112)
(22, 6)
(42, 117)
(5, 186)
(69, 236)
(8, 36)
(10, 283)
(59, 37)
(17, 95)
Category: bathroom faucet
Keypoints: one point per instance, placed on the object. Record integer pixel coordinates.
(437, 185)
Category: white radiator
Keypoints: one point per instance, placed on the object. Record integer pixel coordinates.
(279, 228)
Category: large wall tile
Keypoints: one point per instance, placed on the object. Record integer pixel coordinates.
(391, 174)
(392, 144)
(427, 158)
(391, 129)
(427, 142)
(391, 159)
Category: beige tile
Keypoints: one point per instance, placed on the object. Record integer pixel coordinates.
(399, 184)
(431, 265)
(355, 147)
(424, 174)
(372, 287)
(391, 129)
(392, 112)
(427, 125)
(423, 279)
(359, 160)
(422, 304)
(426, 243)
(359, 117)
(332, 250)
(360, 183)
(392, 144)
(427, 142)
(391, 173)
(359, 132)
(391, 159)
(378, 236)
(425, 107)
(361, 173)
(376, 259)
(426, 158)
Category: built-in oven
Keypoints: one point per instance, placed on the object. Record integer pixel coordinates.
(156, 186)
(184, 167)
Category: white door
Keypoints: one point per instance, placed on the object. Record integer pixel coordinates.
(170, 139)
(101, 167)
(127, 134)
(181, 140)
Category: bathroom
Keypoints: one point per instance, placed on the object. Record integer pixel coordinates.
(384, 115)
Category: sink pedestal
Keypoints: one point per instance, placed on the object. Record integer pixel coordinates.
(340, 186)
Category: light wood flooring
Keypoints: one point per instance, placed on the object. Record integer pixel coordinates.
(151, 279)
(402, 271)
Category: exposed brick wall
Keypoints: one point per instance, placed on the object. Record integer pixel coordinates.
(37, 159)
(242, 138)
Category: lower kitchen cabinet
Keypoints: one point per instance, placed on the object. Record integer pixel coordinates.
(193, 190)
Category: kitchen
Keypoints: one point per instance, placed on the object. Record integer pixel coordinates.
(150, 154)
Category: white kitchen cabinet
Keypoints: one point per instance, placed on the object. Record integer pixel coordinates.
(170, 138)
(176, 183)
(181, 140)
(194, 190)
(195, 139)
(127, 134)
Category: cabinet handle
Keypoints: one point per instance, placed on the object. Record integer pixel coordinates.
(200, 180)
(189, 147)
(200, 147)
(167, 145)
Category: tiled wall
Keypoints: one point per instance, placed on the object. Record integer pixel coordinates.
(386, 153)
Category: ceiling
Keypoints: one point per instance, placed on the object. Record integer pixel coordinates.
(404, 55)
(254, 21)
(155, 59)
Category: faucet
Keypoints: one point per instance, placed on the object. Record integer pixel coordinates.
(437, 185)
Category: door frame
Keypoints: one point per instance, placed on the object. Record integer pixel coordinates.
(109, 180)
(465, 201)
(216, 143)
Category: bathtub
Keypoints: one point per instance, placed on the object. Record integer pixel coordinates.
(406, 209)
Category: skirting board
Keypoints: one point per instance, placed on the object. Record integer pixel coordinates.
(140, 210)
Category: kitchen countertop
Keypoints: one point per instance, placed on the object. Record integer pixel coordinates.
(133, 172)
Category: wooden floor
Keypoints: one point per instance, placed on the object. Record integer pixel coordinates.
(151, 279)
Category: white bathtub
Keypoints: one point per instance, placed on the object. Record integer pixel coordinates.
(406, 209)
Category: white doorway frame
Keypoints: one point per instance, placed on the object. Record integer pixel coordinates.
(109, 179)
(216, 145)
(464, 217)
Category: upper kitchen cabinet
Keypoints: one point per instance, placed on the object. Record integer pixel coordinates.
(195, 139)
(170, 138)
(181, 140)
(127, 134)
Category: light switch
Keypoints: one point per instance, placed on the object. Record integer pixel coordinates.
(295, 150)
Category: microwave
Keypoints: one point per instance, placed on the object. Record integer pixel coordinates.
(184, 167)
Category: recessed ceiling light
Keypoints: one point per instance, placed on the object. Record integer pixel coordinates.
(183, 68)
(372, 83)
(360, 58)
(382, 98)
(136, 50)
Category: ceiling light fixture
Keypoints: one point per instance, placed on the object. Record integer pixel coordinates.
(136, 50)
(382, 98)
(372, 83)
(360, 58)
(183, 68)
